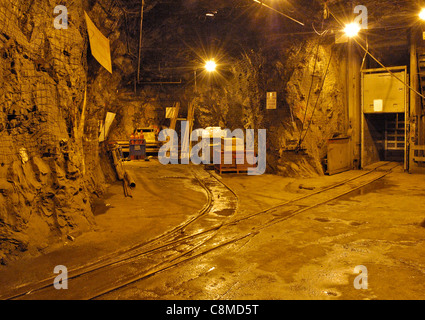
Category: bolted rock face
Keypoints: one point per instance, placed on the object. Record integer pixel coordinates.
(46, 186)
(49, 150)
(315, 98)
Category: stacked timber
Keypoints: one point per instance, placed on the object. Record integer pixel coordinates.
(238, 159)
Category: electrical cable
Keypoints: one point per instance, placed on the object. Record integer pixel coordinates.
(379, 62)
(309, 92)
(365, 55)
(279, 12)
(317, 32)
(318, 98)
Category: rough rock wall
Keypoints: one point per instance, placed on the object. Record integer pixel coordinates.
(296, 70)
(235, 96)
(144, 109)
(315, 97)
(49, 150)
(309, 80)
(115, 92)
(46, 181)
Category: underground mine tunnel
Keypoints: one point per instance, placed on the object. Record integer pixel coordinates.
(212, 150)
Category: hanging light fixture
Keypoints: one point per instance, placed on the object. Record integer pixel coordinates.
(210, 66)
(211, 13)
(422, 14)
(352, 29)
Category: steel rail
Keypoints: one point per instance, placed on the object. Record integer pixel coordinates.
(170, 264)
(215, 229)
(130, 254)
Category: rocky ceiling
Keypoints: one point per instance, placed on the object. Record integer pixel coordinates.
(382, 13)
(389, 25)
(180, 33)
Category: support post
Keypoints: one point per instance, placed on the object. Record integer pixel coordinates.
(140, 41)
(354, 101)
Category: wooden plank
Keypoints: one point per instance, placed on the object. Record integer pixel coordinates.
(238, 171)
(233, 168)
(118, 165)
(187, 143)
(175, 116)
(174, 119)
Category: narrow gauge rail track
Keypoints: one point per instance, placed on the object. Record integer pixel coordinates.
(201, 239)
(222, 204)
(322, 196)
(267, 218)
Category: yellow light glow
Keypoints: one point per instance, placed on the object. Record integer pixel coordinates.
(352, 29)
(422, 14)
(210, 66)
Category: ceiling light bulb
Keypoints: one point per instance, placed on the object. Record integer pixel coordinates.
(352, 29)
(210, 66)
(422, 14)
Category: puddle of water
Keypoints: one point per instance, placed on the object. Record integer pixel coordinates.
(100, 207)
(225, 212)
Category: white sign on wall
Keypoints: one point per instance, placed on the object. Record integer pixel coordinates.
(378, 105)
(271, 100)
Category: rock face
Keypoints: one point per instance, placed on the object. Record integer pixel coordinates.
(311, 109)
(47, 171)
(54, 95)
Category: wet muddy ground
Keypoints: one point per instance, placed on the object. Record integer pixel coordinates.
(310, 256)
(313, 255)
